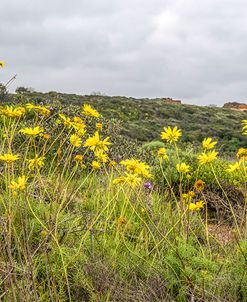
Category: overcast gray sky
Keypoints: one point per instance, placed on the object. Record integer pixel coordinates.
(193, 50)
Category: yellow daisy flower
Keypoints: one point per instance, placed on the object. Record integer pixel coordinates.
(20, 184)
(75, 140)
(208, 143)
(101, 156)
(96, 144)
(182, 168)
(137, 167)
(99, 126)
(39, 109)
(233, 167)
(171, 135)
(206, 158)
(36, 163)
(9, 157)
(244, 122)
(95, 165)
(132, 179)
(79, 157)
(88, 110)
(112, 164)
(242, 154)
(162, 154)
(119, 180)
(10, 111)
(188, 196)
(66, 120)
(196, 206)
(32, 131)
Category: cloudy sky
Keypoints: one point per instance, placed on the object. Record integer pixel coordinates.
(193, 50)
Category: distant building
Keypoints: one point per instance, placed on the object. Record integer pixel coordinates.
(236, 106)
(171, 101)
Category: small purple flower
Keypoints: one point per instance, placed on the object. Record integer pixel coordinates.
(148, 185)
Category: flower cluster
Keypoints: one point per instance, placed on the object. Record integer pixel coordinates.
(42, 110)
(10, 111)
(20, 184)
(135, 170)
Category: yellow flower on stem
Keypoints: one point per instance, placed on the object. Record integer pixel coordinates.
(10, 111)
(95, 165)
(39, 109)
(162, 154)
(242, 154)
(95, 144)
(32, 131)
(79, 126)
(199, 185)
(208, 157)
(101, 156)
(75, 140)
(79, 157)
(99, 126)
(132, 179)
(36, 163)
(171, 135)
(121, 220)
(59, 152)
(244, 122)
(119, 180)
(188, 196)
(137, 167)
(88, 110)
(196, 206)
(112, 164)
(183, 168)
(45, 136)
(208, 143)
(78, 120)
(65, 120)
(9, 157)
(233, 167)
(20, 184)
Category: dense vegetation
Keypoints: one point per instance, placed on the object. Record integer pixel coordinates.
(142, 119)
(85, 220)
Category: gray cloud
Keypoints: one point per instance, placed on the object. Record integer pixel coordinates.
(188, 49)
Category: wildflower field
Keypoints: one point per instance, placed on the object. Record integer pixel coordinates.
(84, 219)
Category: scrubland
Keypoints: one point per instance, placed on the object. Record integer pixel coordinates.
(86, 215)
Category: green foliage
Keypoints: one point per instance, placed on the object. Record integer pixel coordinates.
(3, 93)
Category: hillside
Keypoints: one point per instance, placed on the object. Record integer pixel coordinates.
(144, 118)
